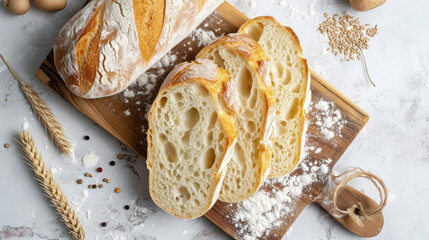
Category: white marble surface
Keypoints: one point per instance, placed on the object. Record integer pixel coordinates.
(393, 145)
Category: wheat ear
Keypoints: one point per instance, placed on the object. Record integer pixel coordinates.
(50, 187)
(45, 114)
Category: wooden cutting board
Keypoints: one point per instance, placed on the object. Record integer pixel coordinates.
(125, 118)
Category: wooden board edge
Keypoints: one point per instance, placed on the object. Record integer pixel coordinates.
(335, 91)
(231, 14)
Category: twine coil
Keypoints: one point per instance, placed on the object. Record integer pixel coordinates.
(358, 209)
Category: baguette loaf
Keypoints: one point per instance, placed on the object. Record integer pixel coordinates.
(248, 65)
(290, 83)
(110, 43)
(190, 138)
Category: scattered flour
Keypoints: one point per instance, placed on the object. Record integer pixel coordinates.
(127, 112)
(329, 119)
(89, 159)
(25, 125)
(166, 61)
(139, 210)
(185, 232)
(56, 170)
(256, 216)
(319, 70)
(148, 81)
(318, 150)
(203, 37)
(129, 94)
(77, 203)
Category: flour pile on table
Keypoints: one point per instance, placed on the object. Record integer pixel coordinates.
(262, 212)
(328, 118)
(89, 159)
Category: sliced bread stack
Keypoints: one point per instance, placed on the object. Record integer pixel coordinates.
(222, 124)
(290, 83)
(248, 65)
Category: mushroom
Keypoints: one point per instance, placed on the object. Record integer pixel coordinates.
(17, 7)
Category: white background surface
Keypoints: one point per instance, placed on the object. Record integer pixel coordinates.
(393, 145)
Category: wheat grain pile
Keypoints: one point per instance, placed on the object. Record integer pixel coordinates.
(346, 35)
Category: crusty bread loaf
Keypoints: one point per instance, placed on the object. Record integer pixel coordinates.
(248, 65)
(290, 83)
(190, 138)
(110, 43)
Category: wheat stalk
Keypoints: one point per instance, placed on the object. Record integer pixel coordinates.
(50, 187)
(45, 115)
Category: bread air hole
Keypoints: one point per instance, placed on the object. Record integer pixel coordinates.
(197, 186)
(178, 97)
(210, 137)
(251, 126)
(192, 116)
(213, 120)
(217, 59)
(255, 31)
(162, 137)
(247, 113)
(163, 101)
(166, 117)
(200, 90)
(253, 100)
(245, 83)
(240, 157)
(184, 195)
(296, 88)
(186, 137)
(171, 152)
(176, 122)
(278, 69)
(292, 108)
(221, 137)
(209, 158)
(221, 148)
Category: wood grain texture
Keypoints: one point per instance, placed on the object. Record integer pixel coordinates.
(109, 113)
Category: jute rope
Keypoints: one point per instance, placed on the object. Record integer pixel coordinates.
(358, 209)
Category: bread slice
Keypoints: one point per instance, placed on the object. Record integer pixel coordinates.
(290, 83)
(248, 65)
(190, 138)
